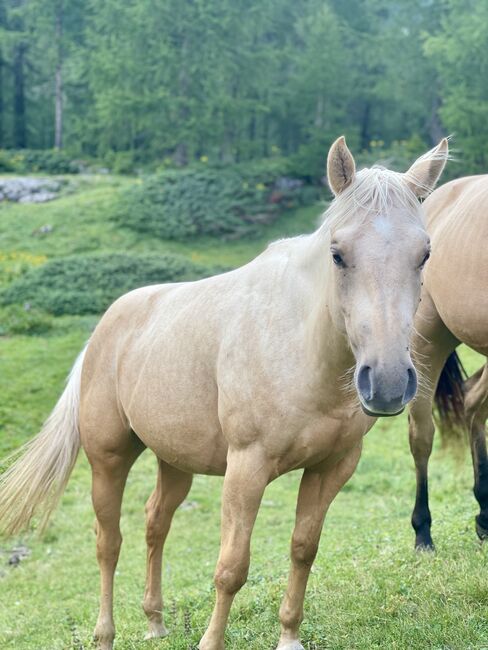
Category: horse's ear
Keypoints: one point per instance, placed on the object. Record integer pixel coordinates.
(425, 172)
(341, 167)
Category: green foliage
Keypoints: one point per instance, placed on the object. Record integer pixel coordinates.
(398, 155)
(88, 284)
(151, 84)
(15, 264)
(6, 164)
(458, 51)
(230, 201)
(121, 162)
(47, 161)
(18, 319)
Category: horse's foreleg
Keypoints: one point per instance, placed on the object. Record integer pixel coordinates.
(476, 408)
(172, 487)
(317, 491)
(108, 482)
(247, 475)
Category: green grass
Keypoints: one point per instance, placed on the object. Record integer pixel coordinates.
(368, 589)
(81, 224)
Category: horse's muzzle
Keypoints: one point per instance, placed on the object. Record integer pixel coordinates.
(385, 394)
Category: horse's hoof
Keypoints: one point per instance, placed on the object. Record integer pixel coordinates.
(425, 547)
(293, 645)
(481, 531)
(156, 631)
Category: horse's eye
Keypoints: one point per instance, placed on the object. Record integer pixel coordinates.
(338, 261)
(427, 255)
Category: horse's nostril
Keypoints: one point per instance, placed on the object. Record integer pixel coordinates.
(365, 384)
(411, 386)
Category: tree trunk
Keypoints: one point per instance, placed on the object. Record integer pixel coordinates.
(20, 130)
(58, 108)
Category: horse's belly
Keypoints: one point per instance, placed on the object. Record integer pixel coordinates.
(197, 450)
(178, 420)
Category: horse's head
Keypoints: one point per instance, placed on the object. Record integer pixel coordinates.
(378, 247)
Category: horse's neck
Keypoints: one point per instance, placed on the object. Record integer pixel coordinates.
(326, 343)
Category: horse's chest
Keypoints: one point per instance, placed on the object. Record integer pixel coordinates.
(326, 439)
(295, 436)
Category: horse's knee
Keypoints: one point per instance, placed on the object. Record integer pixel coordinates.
(229, 578)
(108, 546)
(303, 549)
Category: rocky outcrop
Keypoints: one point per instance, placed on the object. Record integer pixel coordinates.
(29, 189)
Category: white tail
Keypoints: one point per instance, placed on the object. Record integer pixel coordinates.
(34, 482)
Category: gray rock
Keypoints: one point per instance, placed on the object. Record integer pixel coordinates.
(29, 190)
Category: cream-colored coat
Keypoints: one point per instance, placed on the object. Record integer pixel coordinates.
(249, 374)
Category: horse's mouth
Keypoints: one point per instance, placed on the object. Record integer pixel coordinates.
(372, 414)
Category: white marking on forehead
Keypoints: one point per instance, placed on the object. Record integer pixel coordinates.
(383, 226)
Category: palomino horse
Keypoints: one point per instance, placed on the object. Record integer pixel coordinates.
(454, 309)
(244, 374)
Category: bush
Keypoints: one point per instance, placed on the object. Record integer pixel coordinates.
(48, 161)
(88, 284)
(121, 162)
(18, 319)
(16, 263)
(230, 201)
(6, 164)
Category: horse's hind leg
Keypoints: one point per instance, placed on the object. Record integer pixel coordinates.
(172, 487)
(111, 453)
(476, 409)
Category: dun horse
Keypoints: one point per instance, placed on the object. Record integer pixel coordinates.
(244, 375)
(454, 310)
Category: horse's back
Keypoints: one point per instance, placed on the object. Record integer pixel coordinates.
(456, 277)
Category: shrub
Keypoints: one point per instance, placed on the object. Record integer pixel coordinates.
(121, 162)
(88, 284)
(6, 164)
(18, 319)
(15, 264)
(230, 201)
(49, 161)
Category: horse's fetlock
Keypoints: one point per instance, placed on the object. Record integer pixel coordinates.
(291, 617)
(152, 606)
(421, 519)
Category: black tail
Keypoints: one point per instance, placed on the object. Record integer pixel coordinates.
(449, 400)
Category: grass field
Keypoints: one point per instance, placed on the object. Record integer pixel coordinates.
(368, 589)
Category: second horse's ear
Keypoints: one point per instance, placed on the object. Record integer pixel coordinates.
(341, 167)
(425, 172)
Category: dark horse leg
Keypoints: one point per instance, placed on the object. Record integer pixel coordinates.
(432, 345)
(476, 408)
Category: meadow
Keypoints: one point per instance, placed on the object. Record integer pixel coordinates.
(368, 589)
